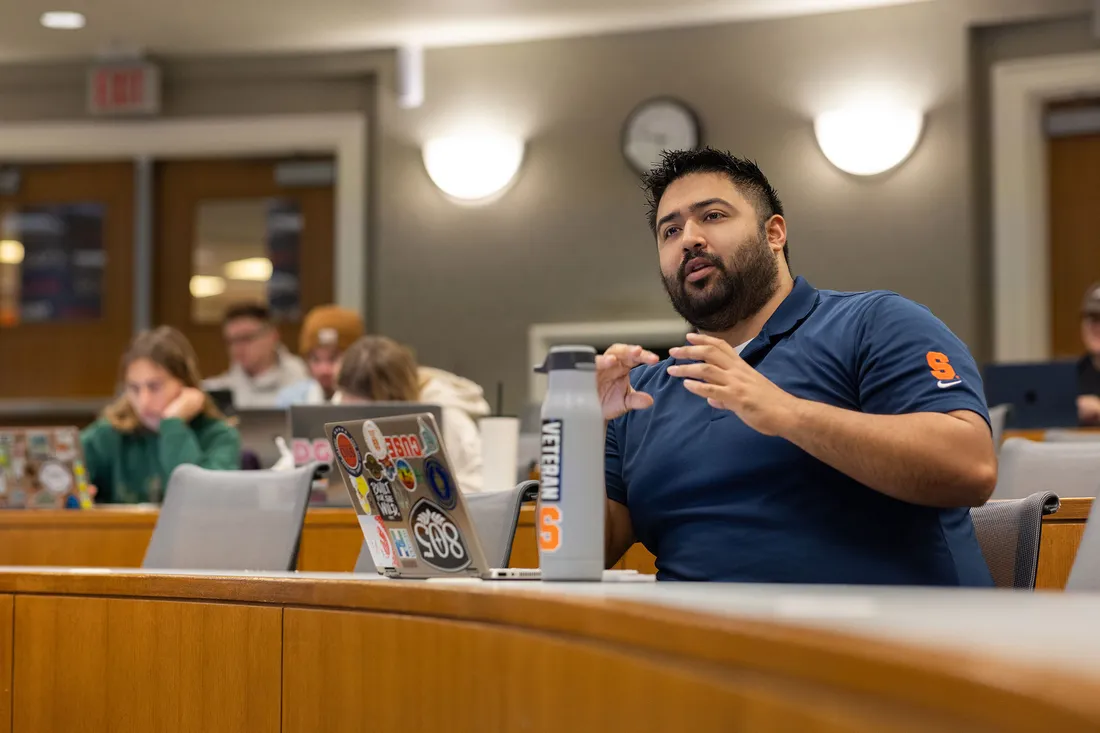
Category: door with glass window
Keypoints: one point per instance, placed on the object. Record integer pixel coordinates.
(232, 231)
(66, 278)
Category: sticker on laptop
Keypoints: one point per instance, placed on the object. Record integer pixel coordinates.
(441, 483)
(404, 446)
(362, 491)
(378, 542)
(55, 478)
(38, 446)
(405, 474)
(348, 451)
(402, 544)
(373, 468)
(385, 500)
(64, 445)
(389, 470)
(428, 443)
(376, 441)
(438, 538)
(302, 450)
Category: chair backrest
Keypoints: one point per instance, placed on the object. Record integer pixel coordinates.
(231, 520)
(1027, 466)
(998, 417)
(1008, 532)
(495, 515)
(1085, 574)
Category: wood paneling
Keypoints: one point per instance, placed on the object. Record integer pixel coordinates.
(486, 657)
(331, 548)
(83, 356)
(1062, 533)
(7, 628)
(355, 671)
(1074, 220)
(99, 664)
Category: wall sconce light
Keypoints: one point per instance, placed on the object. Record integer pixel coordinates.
(472, 167)
(865, 141)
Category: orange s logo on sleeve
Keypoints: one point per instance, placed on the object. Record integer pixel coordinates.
(942, 370)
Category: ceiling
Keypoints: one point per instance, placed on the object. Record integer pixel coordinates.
(193, 27)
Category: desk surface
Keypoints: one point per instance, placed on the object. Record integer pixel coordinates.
(971, 660)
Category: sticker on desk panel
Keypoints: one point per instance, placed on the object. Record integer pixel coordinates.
(405, 474)
(402, 544)
(18, 467)
(38, 446)
(322, 451)
(438, 539)
(302, 450)
(378, 542)
(440, 481)
(429, 444)
(64, 444)
(376, 441)
(348, 451)
(385, 500)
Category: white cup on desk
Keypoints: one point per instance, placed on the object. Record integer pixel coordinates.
(499, 451)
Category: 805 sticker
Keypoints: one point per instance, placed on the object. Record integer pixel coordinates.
(438, 539)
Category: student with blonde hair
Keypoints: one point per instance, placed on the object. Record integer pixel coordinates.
(161, 421)
(378, 369)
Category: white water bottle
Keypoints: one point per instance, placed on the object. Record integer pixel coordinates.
(570, 518)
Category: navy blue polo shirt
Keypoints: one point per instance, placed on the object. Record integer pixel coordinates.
(715, 500)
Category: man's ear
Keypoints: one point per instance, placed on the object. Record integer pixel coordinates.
(775, 229)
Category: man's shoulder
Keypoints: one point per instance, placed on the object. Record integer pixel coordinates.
(643, 375)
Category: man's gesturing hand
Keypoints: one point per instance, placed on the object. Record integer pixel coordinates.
(728, 383)
(613, 367)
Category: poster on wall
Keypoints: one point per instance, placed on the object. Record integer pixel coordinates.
(284, 233)
(61, 273)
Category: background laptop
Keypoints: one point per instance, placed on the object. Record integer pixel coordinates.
(308, 435)
(412, 513)
(1042, 395)
(259, 427)
(42, 468)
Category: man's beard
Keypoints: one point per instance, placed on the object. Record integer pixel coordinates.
(730, 294)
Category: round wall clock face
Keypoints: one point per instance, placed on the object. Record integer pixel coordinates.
(656, 126)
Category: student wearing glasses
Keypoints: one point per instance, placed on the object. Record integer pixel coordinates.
(260, 366)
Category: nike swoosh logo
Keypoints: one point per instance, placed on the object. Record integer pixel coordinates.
(944, 385)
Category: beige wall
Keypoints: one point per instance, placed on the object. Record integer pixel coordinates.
(568, 242)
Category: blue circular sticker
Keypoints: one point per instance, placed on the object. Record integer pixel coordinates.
(441, 483)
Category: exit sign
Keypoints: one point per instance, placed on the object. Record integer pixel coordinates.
(124, 89)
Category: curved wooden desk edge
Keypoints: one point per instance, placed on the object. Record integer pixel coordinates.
(978, 688)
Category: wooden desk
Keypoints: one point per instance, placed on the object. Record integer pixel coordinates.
(91, 652)
(116, 537)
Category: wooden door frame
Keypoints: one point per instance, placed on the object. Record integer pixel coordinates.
(1020, 173)
(343, 135)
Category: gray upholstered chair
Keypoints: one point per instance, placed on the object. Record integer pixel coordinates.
(998, 418)
(495, 515)
(1027, 466)
(1009, 532)
(231, 520)
(1085, 574)
(1062, 435)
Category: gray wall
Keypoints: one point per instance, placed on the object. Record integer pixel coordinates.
(568, 241)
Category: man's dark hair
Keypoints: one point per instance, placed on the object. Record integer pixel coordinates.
(744, 174)
(257, 311)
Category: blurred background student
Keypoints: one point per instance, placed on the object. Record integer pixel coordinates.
(161, 421)
(327, 332)
(259, 365)
(378, 369)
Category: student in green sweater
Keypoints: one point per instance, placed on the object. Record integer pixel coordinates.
(163, 420)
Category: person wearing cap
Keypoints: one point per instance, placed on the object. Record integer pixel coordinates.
(260, 366)
(327, 332)
(1088, 369)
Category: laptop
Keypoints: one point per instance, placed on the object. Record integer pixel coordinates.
(412, 513)
(42, 468)
(259, 427)
(307, 425)
(1042, 395)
